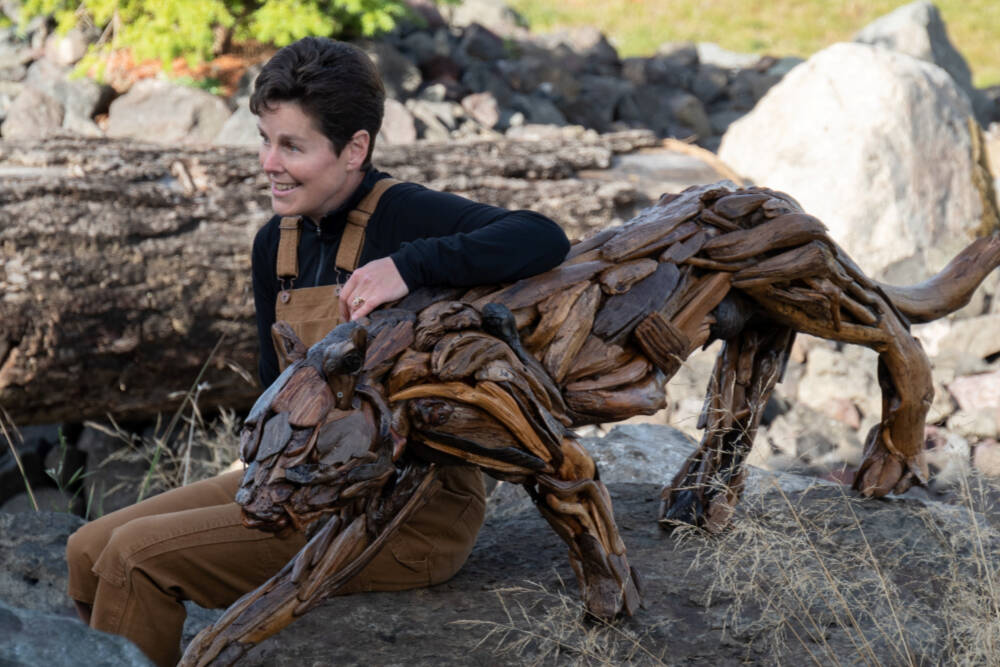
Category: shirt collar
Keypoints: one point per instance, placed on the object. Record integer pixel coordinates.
(333, 222)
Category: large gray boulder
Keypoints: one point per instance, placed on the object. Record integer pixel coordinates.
(33, 561)
(496, 15)
(240, 129)
(728, 600)
(877, 145)
(32, 115)
(81, 98)
(917, 30)
(32, 638)
(167, 113)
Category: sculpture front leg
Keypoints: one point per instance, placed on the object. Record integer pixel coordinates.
(335, 555)
(578, 507)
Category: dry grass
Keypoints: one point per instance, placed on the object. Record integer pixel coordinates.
(11, 434)
(204, 449)
(552, 627)
(805, 579)
(822, 577)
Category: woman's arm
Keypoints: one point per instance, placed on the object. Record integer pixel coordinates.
(435, 238)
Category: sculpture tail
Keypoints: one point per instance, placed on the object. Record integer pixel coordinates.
(953, 287)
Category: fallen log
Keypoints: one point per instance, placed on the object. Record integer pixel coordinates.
(123, 265)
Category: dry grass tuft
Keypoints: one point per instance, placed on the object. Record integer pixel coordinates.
(204, 449)
(552, 627)
(808, 579)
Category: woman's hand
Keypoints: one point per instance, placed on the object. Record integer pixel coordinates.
(369, 287)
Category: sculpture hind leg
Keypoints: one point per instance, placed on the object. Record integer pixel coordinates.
(894, 449)
(708, 485)
(817, 289)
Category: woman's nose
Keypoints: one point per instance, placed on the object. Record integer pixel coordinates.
(269, 159)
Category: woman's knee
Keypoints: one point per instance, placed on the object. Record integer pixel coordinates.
(85, 545)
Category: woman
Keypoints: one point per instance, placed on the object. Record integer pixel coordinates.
(320, 105)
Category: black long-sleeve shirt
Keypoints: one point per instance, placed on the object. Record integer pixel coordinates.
(434, 238)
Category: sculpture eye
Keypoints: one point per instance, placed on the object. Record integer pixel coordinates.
(351, 362)
(340, 361)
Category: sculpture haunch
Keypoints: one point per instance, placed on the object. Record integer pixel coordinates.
(347, 441)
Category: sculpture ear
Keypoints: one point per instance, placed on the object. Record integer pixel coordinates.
(287, 344)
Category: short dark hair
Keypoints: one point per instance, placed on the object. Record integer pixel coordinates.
(334, 82)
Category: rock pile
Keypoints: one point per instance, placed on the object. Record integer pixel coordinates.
(453, 80)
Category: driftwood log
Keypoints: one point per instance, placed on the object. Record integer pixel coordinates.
(347, 441)
(122, 265)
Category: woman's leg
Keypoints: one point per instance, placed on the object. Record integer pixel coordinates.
(86, 544)
(136, 566)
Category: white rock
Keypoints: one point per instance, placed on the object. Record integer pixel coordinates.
(163, 112)
(874, 143)
(917, 30)
(240, 129)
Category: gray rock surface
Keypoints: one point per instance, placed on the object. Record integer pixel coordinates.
(398, 126)
(726, 600)
(898, 196)
(81, 97)
(400, 77)
(68, 48)
(496, 15)
(32, 115)
(708, 601)
(240, 129)
(917, 30)
(32, 559)
(158, 111)
(33, 638)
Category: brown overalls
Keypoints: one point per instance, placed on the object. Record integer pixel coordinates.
(136, 566)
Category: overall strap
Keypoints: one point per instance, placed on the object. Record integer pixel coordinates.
(353, 238)
(288, 249)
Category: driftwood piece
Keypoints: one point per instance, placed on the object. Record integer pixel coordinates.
(531, 291)
(554, 311)
(605, 405)
(620, 313)
(631, 372)
(572, 334)
(619, 279)
(597, 356)
(785, 231)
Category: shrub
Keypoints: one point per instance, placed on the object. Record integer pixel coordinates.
(199, 29)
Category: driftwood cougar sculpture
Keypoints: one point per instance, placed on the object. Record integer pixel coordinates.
(348, 440)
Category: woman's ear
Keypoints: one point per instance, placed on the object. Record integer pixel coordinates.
(358, 147)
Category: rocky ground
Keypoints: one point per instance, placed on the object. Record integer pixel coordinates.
(808, 572)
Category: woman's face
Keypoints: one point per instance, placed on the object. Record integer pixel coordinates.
(307, 176)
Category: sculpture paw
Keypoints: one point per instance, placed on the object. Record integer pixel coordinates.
(688, 507)
(611, 587)
(884, 471)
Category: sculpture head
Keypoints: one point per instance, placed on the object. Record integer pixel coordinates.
(310, 432)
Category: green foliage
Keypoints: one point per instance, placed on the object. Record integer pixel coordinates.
(69, 483)
(209, 84)
(166, 29)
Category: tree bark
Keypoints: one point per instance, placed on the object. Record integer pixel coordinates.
(123, 265)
